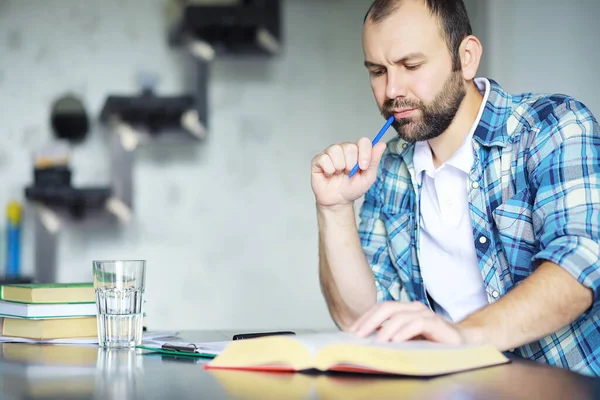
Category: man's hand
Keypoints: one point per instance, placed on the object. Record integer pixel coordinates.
(398, 321)
(329, 172)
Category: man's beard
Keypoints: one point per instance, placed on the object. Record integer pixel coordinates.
(436, 117)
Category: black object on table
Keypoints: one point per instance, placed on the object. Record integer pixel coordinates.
(241, 336)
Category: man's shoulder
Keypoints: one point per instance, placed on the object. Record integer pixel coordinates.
(545, 122)
(532, 109)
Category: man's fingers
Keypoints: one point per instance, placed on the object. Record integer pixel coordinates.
(378, 315)
(369, 315)
(323, 163)
(363, 318)
(414, 328)
(431, 328)
(397, 322)
(364, 153)
(350, 154)
(344, 156)
(336, 154)
(391, 305)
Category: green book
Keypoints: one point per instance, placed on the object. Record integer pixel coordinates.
(48, 293)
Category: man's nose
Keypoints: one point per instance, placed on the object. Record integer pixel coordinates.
(396, 85)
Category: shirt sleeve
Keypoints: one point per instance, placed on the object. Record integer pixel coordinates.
(373, 238)
(566, 173)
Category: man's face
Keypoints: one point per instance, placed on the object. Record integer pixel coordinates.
(411, 74)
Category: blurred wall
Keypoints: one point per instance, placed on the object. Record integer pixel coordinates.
(228, 228)
(541, 45)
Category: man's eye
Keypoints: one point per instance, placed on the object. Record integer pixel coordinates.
(377, 72)
(412, 67)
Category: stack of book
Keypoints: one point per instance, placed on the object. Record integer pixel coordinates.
(48, 311)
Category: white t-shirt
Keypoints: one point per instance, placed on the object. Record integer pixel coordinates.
(447, 250)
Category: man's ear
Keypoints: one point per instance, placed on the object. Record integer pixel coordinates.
(470, 52)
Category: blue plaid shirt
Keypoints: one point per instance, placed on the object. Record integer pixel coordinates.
(534, 195)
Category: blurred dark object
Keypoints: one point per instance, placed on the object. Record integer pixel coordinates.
(52, 187)
(69, 119)
(155, 113)
(15, 280)
(246, 27)
(59, 175)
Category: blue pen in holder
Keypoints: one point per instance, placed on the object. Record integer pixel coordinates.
(13, 239)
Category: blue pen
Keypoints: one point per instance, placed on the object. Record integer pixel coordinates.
(385, 127)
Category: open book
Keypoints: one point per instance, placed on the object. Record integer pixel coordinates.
(343, 351)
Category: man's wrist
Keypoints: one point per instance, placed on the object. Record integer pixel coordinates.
(473, 332)
(335, 209)
(338, 215)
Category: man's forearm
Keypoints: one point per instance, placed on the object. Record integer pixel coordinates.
(542, 304)
(346, 280)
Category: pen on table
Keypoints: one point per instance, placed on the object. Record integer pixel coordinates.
(377, 138)
(242, 336)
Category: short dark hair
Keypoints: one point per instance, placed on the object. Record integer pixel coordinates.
(452, 15)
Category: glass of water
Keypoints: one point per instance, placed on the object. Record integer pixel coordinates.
(119, 287)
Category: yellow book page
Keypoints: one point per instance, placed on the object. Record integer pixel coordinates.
(416, 358)
(297, 351)
(50, 328)
(284, 351)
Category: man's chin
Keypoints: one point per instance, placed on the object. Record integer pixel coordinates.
(414, 135)
(406, 130)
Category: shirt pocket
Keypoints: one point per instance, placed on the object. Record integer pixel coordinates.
(399, 229)
(514, 222)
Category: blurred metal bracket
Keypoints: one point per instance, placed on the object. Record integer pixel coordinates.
(47, 228)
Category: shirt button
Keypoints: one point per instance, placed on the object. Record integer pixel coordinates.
(475, 185)
(482, 239)
(404, 145)
(495, 294)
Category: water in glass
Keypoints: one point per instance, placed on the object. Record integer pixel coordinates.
(119, 316)
(119, 287)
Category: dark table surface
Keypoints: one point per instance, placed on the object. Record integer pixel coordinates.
(34, 371)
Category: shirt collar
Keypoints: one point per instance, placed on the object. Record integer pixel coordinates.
(492, 128)
(463, 158)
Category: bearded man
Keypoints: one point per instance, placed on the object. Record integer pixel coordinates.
(481, 219)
